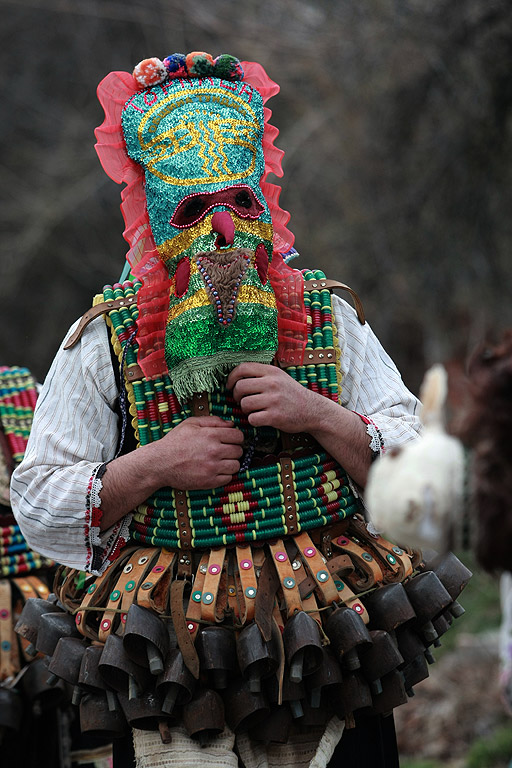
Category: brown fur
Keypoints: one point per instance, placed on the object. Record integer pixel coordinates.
(487, 430)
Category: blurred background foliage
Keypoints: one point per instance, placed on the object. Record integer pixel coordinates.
(395, 116)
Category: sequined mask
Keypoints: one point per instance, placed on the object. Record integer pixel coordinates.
(199, 142)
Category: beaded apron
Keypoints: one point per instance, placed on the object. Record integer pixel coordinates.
(299, 489)
(21, 568)
(251, 613)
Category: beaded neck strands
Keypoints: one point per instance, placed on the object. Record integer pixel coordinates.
(272, 497)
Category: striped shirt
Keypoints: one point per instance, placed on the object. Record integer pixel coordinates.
(55, 491)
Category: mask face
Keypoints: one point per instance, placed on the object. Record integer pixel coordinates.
(200, 144)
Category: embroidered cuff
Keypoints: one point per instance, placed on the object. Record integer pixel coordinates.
(376, 440)
(101, 550)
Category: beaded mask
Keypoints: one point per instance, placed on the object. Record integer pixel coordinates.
(196, 129)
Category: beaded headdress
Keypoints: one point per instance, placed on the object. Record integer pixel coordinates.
(191, 139)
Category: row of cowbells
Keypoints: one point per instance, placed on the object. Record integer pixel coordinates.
(293, 679)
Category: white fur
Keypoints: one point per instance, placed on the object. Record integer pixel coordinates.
(414, 493)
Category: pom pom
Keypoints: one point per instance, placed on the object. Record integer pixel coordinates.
(150, 72)
(228, 67)
(176, 65)
(200, 64)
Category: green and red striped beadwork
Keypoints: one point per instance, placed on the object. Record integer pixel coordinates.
(256, 504)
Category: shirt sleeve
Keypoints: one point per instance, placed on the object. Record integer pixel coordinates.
(55, 490)
(371, 383)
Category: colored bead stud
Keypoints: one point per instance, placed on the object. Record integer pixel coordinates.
(115, 595)
(310, 551)
(250, 592)
(214, 569)
(246, 564)
(157, 569)
(391, 559)
(207, 598)
(322, 577)
(4, 613)
(342, 541)
(367, 557)
(196, 596)
(281, 557)
(289, 583)
(357, 607)
(130, 586)
(106, 624)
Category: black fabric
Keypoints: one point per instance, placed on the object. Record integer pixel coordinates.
(123, 755)
(371, 744)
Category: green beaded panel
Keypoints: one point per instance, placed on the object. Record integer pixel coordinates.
(254, 505)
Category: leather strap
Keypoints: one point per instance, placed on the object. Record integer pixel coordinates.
(316, 564)
(248, 582)
(395, 562)
(181, 627)
(154, 591)
(211, 585)
(125, 591)
(363, 559)
(193, 616)
(94, 312)
(325, 284)
(320, 355)
(287, 580)
(268, 584)
(184, 528)
(290, 502)
(200, 404)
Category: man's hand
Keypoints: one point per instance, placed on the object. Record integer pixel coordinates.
(200, 453)
(271, 397)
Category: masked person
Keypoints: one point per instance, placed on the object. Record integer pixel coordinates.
(200, 445)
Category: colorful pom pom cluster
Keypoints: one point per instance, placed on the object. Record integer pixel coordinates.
(150, 72)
